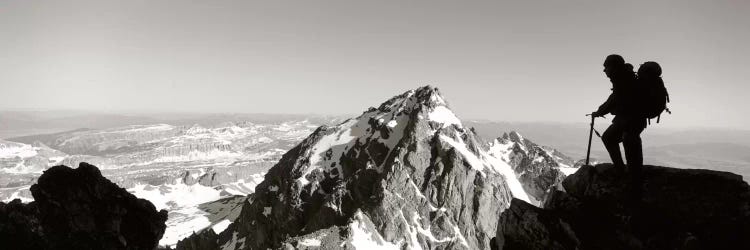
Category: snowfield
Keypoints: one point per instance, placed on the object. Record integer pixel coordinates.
(182, 202)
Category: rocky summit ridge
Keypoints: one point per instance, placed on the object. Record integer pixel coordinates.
(601, 209)
(404, 175)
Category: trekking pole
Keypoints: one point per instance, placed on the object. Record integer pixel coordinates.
(591, 133)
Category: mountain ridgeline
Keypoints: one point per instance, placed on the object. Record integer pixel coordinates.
(404, 175)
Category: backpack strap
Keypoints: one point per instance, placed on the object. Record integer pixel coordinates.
(665, 106)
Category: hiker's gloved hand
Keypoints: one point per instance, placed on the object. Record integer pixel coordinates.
(597, 114)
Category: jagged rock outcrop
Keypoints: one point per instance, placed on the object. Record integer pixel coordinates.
(404, 175)
(674, 209)
(534, 228)
(538, 168)
(204, 240)
(80, 209)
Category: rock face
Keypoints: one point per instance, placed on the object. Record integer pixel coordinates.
(405, 175)
(80, 209)
(534, 228)
(538, 168)
(19, 226)
(677, 209)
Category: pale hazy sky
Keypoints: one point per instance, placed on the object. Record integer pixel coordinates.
(519, 61)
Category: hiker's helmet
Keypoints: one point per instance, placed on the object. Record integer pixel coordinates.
(649, 69)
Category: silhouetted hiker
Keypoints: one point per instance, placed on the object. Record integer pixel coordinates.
(628, 122)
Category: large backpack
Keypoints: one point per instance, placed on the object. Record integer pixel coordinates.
(654, 96)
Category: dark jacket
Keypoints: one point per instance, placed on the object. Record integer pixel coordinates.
(623, 102)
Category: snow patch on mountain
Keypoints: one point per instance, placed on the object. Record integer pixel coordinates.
(364, 236)
(473, 159)
(500, 150)
(445, 116)
(310, 242)
(182, 201)
(568, 170)
(323, 151)
(171, 196)
(221, 226)
(483, 161)
(243, 186)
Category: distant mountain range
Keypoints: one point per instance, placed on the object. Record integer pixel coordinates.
(14, 124)
(568, 138)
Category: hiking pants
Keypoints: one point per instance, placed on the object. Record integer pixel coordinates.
(629, 133)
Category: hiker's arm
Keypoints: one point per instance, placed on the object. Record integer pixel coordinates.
(606, 107)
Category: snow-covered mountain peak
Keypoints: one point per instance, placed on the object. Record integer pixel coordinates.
(408, 170)
(423, 111)
(427, 98)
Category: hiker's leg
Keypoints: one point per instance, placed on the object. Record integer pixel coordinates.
(633, 150)
(612, 138)
(633, 146)
(634, 156)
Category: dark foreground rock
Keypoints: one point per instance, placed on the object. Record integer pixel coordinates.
(534, 228)
(19, 226)
(80, 209)
(675, 209)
